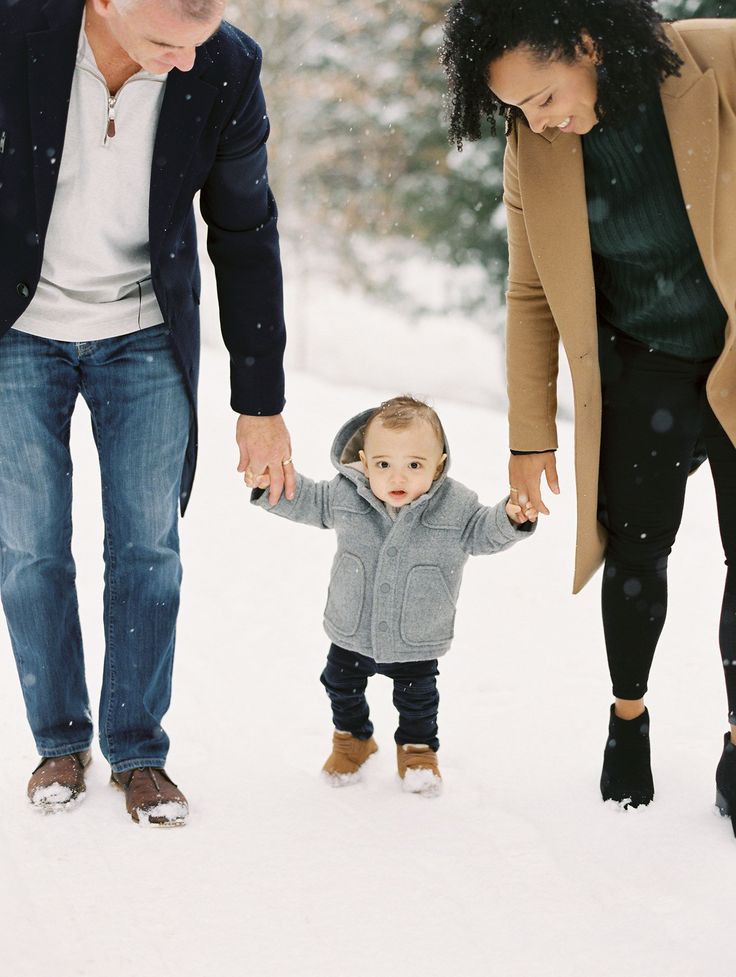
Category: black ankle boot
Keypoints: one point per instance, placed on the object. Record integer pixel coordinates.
(627, 773)
(726, 781)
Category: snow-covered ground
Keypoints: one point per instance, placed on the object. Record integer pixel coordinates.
(517, 869)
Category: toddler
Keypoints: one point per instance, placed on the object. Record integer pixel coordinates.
(404, 532)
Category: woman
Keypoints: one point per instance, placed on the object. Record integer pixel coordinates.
(620, 190)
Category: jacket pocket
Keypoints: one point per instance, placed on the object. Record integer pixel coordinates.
(428, 610)
(346, 594)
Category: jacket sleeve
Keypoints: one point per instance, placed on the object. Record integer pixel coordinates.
(489, 529)
(532, 340)
(311, 505)
(242, 241)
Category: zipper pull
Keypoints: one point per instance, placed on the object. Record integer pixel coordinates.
(111, 116)
(2, 141)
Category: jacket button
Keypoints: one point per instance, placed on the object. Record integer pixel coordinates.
(383, 626)
(23, 290)
(385, 588)
(392, 551)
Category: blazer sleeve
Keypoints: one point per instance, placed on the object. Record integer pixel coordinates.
(489, 530)
(311, 505)
(242, 241)
(532, 339)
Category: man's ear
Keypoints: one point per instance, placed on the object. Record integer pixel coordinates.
(361, 455)
(440, 466)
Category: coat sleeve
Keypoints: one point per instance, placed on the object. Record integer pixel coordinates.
(532, 339)
(489, 529)
(311, 505)
(242, 241)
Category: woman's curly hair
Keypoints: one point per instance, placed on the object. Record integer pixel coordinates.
(631, 47)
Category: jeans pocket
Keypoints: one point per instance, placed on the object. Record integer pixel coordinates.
(428, 610)
(346, 594)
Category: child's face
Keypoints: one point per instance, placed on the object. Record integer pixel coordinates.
(401, 464)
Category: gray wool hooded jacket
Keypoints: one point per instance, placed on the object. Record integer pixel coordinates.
(395, 581)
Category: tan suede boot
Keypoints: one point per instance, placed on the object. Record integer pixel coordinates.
(418, 769)
(348, 755)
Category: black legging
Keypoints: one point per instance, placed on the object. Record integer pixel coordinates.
(655, 415)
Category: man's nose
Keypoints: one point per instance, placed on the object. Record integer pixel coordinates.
(184, 59)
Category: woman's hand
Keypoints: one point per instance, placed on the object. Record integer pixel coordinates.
(525, 475)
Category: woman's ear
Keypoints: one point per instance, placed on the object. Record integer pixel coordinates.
(590, 49)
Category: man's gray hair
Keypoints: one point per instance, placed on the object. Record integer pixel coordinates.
(200, 10)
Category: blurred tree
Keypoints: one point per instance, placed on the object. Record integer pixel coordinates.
(360, 152)
(697, 8)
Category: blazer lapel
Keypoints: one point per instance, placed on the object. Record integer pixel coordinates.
(51, 60)
(184, 113)
(556, 214)
(690, 104)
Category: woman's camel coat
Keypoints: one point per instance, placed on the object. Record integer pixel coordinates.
(551, 294)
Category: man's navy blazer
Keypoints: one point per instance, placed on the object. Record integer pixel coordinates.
(211, 137)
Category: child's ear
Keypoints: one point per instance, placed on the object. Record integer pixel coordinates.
(361, 455)
(440, 466)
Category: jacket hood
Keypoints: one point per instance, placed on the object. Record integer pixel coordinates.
(349, 441)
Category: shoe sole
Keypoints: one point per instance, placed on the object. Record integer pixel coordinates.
(421, 781)
(58, 807)
(725, 810)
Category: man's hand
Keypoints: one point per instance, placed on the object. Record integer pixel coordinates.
(525, 474)
(265, 455)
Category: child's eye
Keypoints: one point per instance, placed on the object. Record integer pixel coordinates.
(382, 464)
(546, 101)
(415, 465)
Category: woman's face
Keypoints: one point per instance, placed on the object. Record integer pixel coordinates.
(551, 93)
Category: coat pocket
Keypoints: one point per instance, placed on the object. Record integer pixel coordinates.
(346, 594)
(428, 611)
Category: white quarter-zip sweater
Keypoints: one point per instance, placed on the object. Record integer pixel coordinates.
(96, 273)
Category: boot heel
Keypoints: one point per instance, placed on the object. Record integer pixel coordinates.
(722, 804)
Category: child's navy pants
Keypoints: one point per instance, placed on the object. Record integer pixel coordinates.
(416, 697)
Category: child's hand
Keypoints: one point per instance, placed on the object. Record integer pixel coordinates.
(518, 515)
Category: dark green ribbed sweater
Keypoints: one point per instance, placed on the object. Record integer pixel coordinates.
(650, 278)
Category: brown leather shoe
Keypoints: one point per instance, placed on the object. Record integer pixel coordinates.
(57, 783)
(151, 796)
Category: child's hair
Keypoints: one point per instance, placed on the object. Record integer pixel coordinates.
(399, 412)
(633, 52)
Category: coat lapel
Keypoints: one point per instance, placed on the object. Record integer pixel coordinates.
(51, 59)
(691, 109)
(556, 215)
(184, 113)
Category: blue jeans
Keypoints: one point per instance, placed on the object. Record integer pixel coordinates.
(416, 698)
(140, 419)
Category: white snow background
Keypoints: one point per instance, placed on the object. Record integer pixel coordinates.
(517, 869)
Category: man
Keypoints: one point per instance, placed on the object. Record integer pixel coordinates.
(113, 113)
